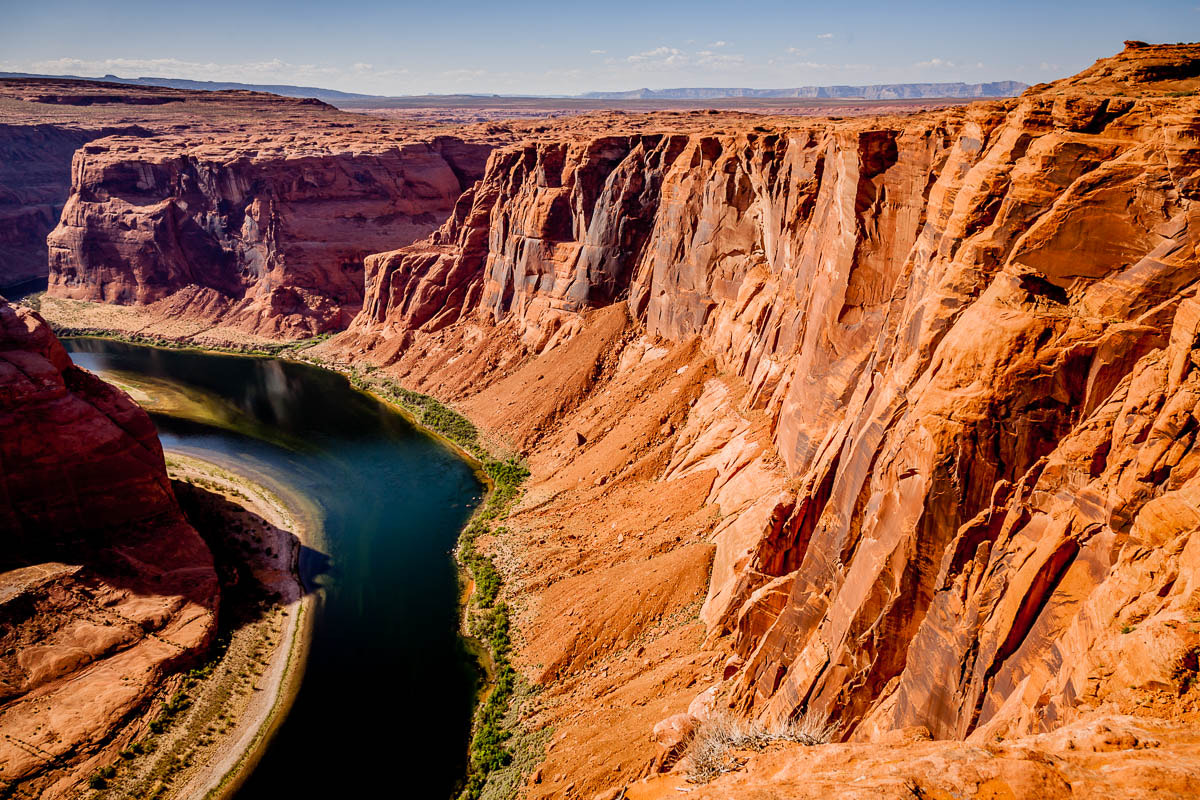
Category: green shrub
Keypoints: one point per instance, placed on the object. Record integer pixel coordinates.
(487, 580)
(489, 744)
(488, 749)
(506, 473)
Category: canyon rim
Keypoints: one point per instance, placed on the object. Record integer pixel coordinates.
(845, 449)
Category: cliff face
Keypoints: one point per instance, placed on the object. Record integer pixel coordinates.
(44, 121)
(264, 237)
(969, 336)
(551, 229)
(103, 584)
(883, 421)
(35, 179)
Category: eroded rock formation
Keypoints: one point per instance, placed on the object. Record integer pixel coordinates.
(267, 239)
(35, 179)
(44, 121)
(103, 584)
(970, 338)
(886, 421)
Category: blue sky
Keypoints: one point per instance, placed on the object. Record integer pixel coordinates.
(565, 48)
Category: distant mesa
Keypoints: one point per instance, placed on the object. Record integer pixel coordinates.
(883, 91)
(328, 95)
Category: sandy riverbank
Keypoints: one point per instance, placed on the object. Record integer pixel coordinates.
(232, 760)
(232, 705)
(103, 318)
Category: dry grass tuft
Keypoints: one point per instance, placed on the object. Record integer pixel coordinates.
(710, 751)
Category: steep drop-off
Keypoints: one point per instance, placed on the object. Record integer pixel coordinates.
(35, 179)
(44, 121)
(268, 238)
(969, 336)
(883, 421)
(103, 584)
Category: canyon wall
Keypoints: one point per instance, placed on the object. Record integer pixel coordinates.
(883, 421)
(969, 336)
(103, 584)
(268, 237)
(43, 121)
(35, 179)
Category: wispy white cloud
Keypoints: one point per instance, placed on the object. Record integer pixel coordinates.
(673, 58)
(464, 74)
(824, 35)
(719, 44)
(659, 55)
(817, 66)
(945, 63)
(599, 52)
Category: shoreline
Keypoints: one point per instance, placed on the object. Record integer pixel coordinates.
(289, 353)
(241, 750)
(282, 351)
(495, 501)
(207, 727)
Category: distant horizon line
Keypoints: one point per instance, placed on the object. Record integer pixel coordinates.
(812, 91)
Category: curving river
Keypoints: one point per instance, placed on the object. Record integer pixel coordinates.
(384, 706)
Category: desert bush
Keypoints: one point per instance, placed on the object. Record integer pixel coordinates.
(506, 473)
(487, 580)
(710, 752)
(488, 750)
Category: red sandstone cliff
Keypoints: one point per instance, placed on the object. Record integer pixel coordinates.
(264, 237)
(44, 121)
(969, 337)
(103, 584)
(35, 180)
(888, 421)
(273, 246)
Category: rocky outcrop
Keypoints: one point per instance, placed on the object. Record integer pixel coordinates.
(103, 584)
(1045, 272)
(269, 239)
(43, 121)
(35, 179)
(551, 229)
(971, 338)
(887, 422)
(1108, 756)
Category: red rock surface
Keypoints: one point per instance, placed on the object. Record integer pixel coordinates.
(34, 182)
(969, 337)
(44, 121)
(1109, 756)
(103, 584)
(885, 420)
(265, 236)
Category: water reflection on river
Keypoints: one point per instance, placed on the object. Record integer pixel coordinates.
(386, 680)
